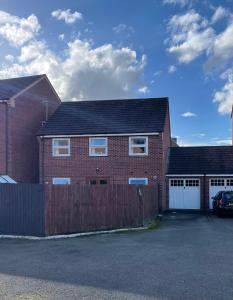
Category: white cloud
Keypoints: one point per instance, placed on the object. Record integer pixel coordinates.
(219, 14)
(9, 57)
(85, 73)
(188, 114)
(171, 69)
(190, 36)
(17, 31)
(224, 97)
(182, 3)
(199, 135)
(144, 90)
(158, 73)
(222, 50)
(33, 50)
(226, 142)
(67, 16)
(61, 36)
(123, 28)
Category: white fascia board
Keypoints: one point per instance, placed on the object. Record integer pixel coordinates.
(185, 175)
(93, 135)
(220, 175)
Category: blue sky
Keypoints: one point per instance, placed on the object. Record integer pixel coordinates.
(100, 49)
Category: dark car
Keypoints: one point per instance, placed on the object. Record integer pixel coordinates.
(223, 202)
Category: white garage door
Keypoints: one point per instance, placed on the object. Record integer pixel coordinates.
(184, 193)
(218, 184)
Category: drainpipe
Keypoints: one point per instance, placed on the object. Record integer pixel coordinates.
(204, 192)
(7, 137)
(41, 142)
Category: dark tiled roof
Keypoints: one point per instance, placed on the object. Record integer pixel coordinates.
(108, 117)
(12, 86)
(201, 160)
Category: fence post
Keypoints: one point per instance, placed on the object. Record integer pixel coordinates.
(141, 203)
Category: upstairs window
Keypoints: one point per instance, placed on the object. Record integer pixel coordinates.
(138, 146)
(61, 147)
(98, 147)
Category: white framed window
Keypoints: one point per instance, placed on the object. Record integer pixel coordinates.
(138, 181)
(98, 146)
(61, 181)
(61, 147)
(176, 182)
(192, 182)
(217, 182)
(138, 145)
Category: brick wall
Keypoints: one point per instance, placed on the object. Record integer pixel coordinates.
(118, 165)
(3, 107)
(166, 138)
(25, 119)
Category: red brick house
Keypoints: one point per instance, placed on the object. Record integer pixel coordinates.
(103, 142)
(196, 174)
(25, 103)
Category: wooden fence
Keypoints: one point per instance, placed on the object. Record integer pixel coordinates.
(77, 208)
(33, 209)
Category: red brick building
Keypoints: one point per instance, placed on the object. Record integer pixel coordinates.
(25, 103)
(103, 142)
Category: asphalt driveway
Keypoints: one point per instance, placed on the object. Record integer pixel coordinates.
(189, 257)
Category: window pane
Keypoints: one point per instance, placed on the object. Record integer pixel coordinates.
(98, 151)
(61, 180)
(98, 142)
(138, 150)
(61, 143)
(103, 181)
(93, 181)
(138, 141)
(139, 181)
(62, 151)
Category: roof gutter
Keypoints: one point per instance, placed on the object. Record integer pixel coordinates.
(90, 135)
(198, 175)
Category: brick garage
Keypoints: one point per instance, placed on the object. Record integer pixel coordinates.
(212, 166)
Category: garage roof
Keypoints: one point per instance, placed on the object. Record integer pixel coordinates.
(200, 160)
(108, 117)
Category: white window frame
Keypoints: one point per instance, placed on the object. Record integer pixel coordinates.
(135, 146)
(91, 147)
(136, 178)
(63, 147)
(61, 178)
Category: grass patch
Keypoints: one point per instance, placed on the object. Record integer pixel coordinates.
(154, 224)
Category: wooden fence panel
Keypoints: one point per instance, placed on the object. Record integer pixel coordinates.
(80, 208)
